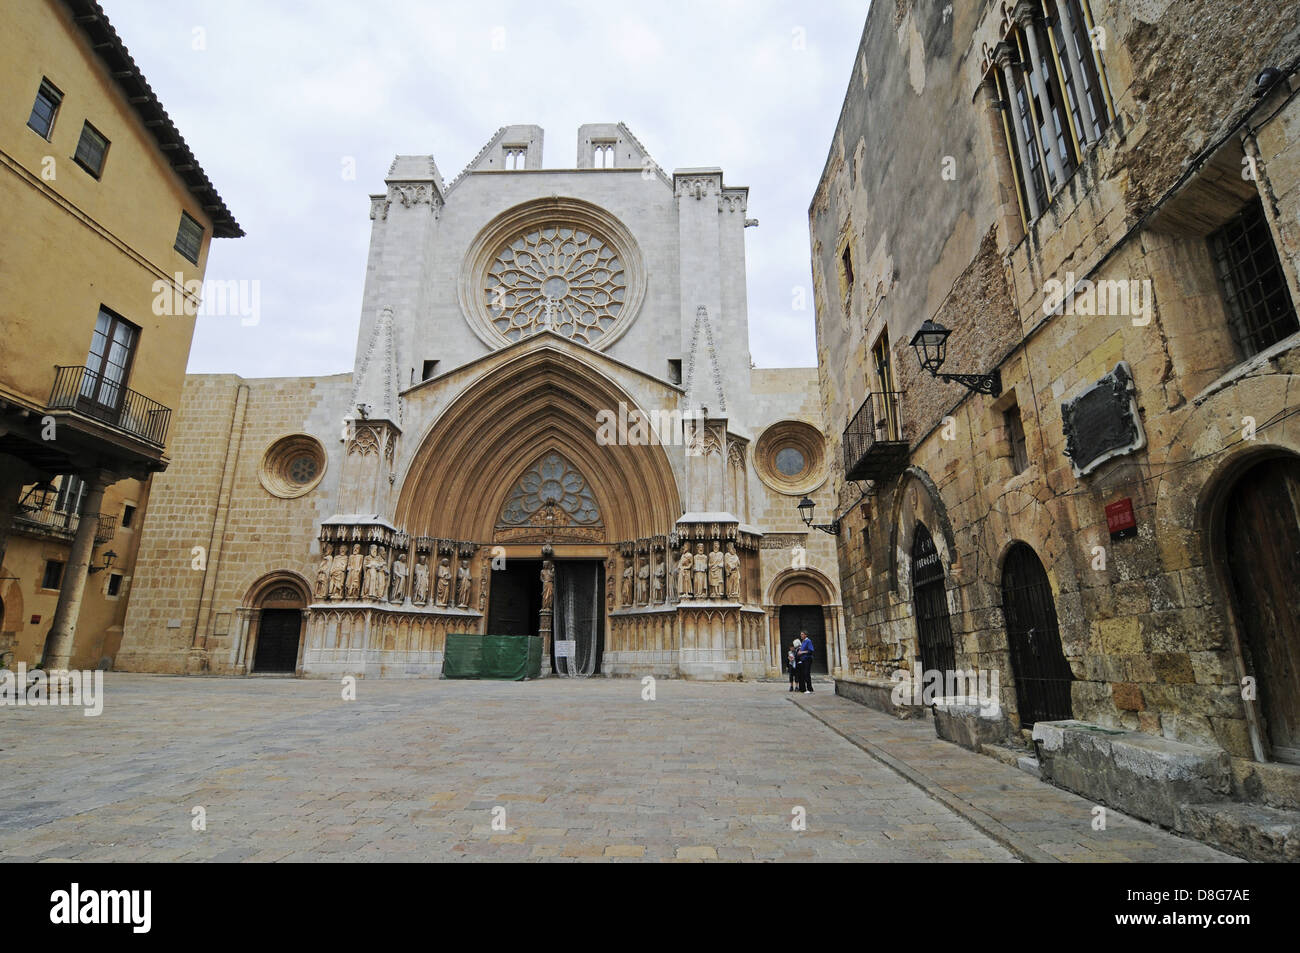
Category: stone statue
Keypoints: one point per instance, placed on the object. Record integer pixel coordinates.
(323, 573)
(548, 585)
(732, 562)
(338, 572)
(627, 585)
(421, 596)
(355, 569)
(716, 562)
(444, 582)
(643, 583)
(397, 590)
(701, 566)
(483, 585)
(657, 583)
(376, 578)
(684, 573)
(464, 585)
(610, 566)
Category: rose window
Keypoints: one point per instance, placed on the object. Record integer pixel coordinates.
(566, 279)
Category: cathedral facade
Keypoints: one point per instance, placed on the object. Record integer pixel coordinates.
(552, 428)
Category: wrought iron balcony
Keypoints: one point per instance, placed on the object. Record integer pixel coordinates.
(873, 444)
(47, 521)
(95, 395)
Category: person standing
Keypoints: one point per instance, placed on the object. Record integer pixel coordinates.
(792, 663)
(805, 657)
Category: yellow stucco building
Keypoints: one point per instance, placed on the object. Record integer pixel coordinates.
(105, 222)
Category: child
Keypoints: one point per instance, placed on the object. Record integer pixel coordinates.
(792, 663)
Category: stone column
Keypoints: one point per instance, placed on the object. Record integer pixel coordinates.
(1003, 162)
(1025, 15)
(1076, 70)
(1002, 56)
(58, 644)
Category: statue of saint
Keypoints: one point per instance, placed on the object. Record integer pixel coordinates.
(421, 596)
(464, 583)
(627, 585)
(397, 590)
(376, 580)
(483, 585)
(684, 573)
(643, 583)
(444, 582)
(323, 573)
(338, 572)
(548, 585)
(355, 570)
(610, 566)
(701, 565)
(733, 573)
(716, 562)
(657, 583)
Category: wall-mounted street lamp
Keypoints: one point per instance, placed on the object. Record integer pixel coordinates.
(931, 344)
(806, 508)
(109, 558)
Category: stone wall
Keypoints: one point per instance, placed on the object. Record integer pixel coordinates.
(1147, 632)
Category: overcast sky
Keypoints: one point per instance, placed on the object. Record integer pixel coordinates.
(273, 96)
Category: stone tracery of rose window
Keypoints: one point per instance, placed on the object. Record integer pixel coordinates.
(564, 278)
(551, 492)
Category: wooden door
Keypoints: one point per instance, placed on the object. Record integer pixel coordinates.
(1262, 530)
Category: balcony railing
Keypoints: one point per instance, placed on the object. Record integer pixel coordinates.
(874, 448)
(47, 521)
(96, 395)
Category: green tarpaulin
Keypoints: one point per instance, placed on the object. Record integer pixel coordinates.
(504, 657)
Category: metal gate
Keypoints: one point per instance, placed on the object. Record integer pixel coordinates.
(930, 602)
(1038, 662)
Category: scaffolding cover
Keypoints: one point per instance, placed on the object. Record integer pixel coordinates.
(501, 657)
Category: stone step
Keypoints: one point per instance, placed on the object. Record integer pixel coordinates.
(1013, 757)
(1275, 785)
(1253, 831)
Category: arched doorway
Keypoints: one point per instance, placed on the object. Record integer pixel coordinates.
(277, 636)
(1038, 664)
(801, 610)
(1261, 553)
(930, 603)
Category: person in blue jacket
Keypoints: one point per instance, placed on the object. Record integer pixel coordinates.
(805, 657)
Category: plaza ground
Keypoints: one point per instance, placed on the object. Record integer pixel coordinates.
(287, 770)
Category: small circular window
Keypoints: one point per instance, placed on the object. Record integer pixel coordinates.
(292, 466)
(303, 469)
(790, 462)
(790, 457)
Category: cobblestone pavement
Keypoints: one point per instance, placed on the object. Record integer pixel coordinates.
(413, 770)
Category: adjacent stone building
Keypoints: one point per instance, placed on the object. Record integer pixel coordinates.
(552, 426)
(106, 218)
(1099, 200)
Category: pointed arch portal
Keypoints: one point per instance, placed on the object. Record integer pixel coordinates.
(540, 406)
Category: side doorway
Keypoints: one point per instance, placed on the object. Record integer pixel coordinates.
(1261, 553)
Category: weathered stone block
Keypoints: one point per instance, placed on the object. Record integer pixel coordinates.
(1140, 774)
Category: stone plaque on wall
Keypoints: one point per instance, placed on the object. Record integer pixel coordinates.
(1102, 422)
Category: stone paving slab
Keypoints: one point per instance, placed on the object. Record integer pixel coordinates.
(1037, 821)
(572, 771)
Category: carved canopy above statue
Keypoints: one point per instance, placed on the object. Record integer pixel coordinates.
(552, 500)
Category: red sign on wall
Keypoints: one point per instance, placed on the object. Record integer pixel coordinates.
(1120, 519)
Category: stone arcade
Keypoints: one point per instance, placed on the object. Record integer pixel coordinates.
(553, 427)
